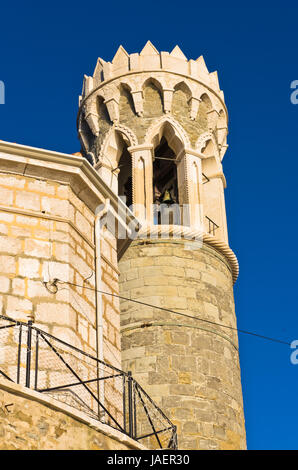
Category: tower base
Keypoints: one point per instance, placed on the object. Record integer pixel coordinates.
(190, 366)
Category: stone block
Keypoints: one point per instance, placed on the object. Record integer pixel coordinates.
(18, 286)
(10, 245)
(28, 200)
(6, 196)
(18, 307)
(7, 264)
(37, 248)
(29, 267)
(4, 284)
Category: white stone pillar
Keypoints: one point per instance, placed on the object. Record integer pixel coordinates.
(142, 182)
(194, 187)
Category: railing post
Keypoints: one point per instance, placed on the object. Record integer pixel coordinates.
(36, 359)
(28, 360)
(19, 355)
(130, 404)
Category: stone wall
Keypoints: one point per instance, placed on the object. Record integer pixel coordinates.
(181, 112)
(32, 421)
(47, 232)
(153, 108)
(189, 367)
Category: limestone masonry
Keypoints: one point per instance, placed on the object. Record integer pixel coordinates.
(153, 130)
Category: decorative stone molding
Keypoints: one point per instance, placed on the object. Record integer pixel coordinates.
(137, 97)
(203, 138)
(113, 109)
(168, 70)
(187, 233)
(157, 125)
(128, 136)
(127, 133)
(149, 58)
(224, 248)
(92, 120)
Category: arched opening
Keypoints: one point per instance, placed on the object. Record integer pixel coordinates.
(165, 185)
(181, 101)
(125, 177)
(206, 102)
(126, 106)
(153, 102)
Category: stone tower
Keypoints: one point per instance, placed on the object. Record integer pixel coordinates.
(154, 125)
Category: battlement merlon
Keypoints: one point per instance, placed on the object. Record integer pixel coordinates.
(167, 68)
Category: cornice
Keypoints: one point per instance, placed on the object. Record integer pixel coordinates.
(162, 232)
(138, 72)
(68, 169)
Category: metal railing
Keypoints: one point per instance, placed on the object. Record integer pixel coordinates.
(171, 214)
(205, 178)
(212, 226)
(31, 357)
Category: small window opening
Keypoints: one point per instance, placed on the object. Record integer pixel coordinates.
(165, 184)
(125, 177)
(165, 187)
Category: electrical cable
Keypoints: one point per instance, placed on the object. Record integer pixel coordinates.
(268, 338)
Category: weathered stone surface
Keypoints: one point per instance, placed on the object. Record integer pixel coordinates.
(46, 232)
(29, 422)
(194, 366)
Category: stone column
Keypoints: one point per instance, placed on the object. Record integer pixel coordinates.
(142, 181)
(194, 188)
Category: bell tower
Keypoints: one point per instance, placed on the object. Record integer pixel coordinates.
(154, 125)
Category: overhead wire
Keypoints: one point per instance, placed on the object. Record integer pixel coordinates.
(239, 330)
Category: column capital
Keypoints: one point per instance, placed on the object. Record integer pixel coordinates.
(140, 148)
(194, 153)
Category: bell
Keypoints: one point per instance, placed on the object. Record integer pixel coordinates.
(167, 198)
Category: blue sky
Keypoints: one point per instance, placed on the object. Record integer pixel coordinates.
(46, 48)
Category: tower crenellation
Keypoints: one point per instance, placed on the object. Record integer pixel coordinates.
(130, 102)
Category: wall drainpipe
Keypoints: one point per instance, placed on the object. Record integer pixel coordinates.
(99, 306)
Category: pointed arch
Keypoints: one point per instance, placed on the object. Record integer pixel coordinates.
(153, 81)
(124, 85)
(184, 87)
(181, 101)
(113, 144)
(152, 98)
(206, 100)
(126, 104)
(207, 145)
(114, 159)
(173, 132)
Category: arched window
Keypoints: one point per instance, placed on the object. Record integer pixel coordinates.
(165, 185)
(125, 177)
(153, 103)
